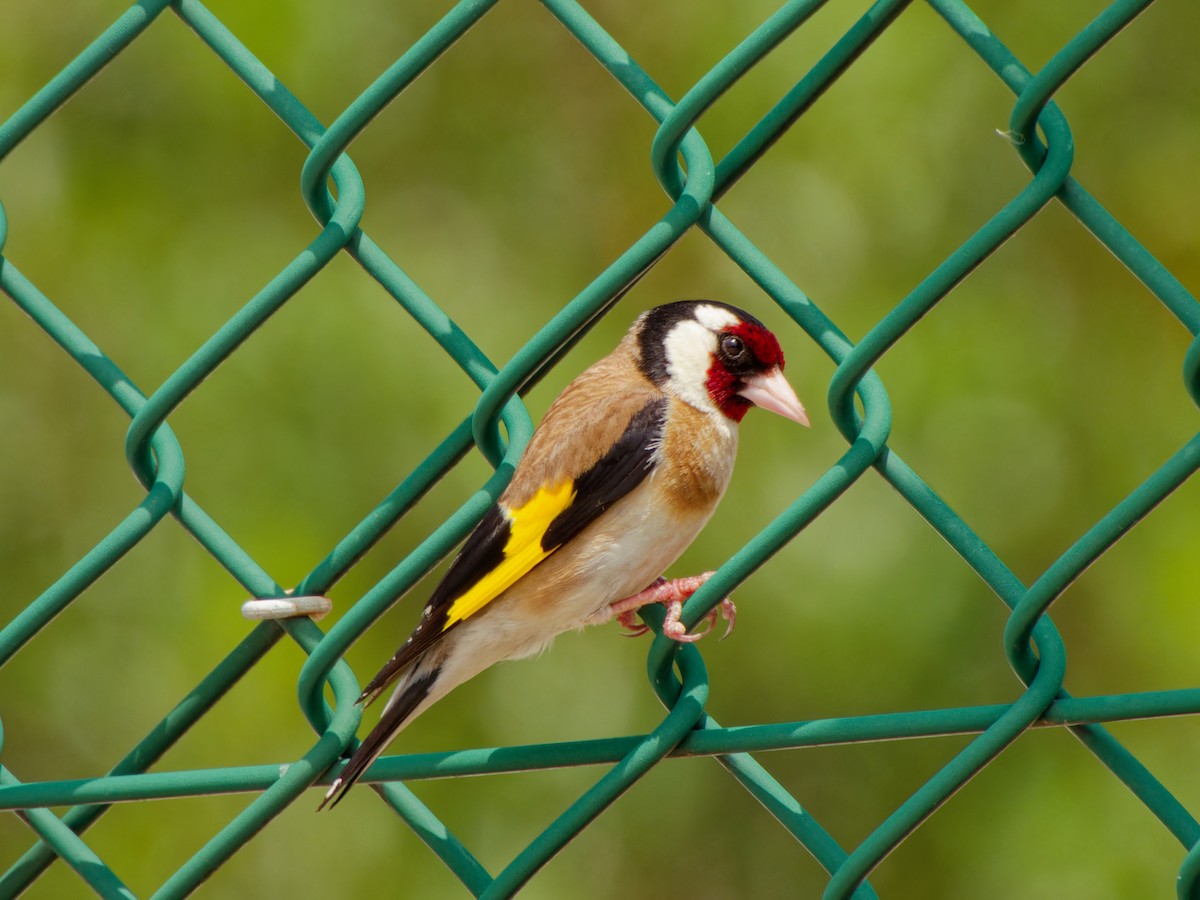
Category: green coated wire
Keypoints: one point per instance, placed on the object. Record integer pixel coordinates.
(708, 739)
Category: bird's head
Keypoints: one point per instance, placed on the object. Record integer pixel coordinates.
(716, 357)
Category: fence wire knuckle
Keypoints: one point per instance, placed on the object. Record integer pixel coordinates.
(499, 426)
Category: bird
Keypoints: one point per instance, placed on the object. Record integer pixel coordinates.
(626, 467)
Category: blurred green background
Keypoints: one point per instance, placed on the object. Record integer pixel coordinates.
(1043, 390)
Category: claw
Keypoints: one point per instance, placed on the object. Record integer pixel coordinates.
(729, 614)
(672, 595)
(674, 629)
(628, 621)
(709, 618)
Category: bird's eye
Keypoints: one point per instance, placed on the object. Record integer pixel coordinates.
(732, 347)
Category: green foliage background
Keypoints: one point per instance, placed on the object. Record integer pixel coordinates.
(1033, 399)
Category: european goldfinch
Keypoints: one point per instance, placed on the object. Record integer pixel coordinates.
(627, 466)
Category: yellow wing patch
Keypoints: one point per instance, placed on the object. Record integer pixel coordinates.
(522, 551)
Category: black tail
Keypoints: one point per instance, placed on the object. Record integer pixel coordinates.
(381, 735)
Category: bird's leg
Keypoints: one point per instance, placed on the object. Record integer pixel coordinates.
(672, 595)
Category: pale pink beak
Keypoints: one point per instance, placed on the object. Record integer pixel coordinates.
(771, 390)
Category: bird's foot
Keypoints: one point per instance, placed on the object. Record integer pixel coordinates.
(289, 607)
(672, 595)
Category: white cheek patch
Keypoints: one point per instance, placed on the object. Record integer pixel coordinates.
(714, 318)
(689, 349)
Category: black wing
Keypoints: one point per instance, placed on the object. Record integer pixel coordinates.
(613, 476)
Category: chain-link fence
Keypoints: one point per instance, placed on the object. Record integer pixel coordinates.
(499, 425)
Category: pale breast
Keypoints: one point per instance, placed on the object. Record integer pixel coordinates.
(618, 555)
(642, 534)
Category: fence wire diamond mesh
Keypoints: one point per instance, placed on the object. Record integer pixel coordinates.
(499, 426)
